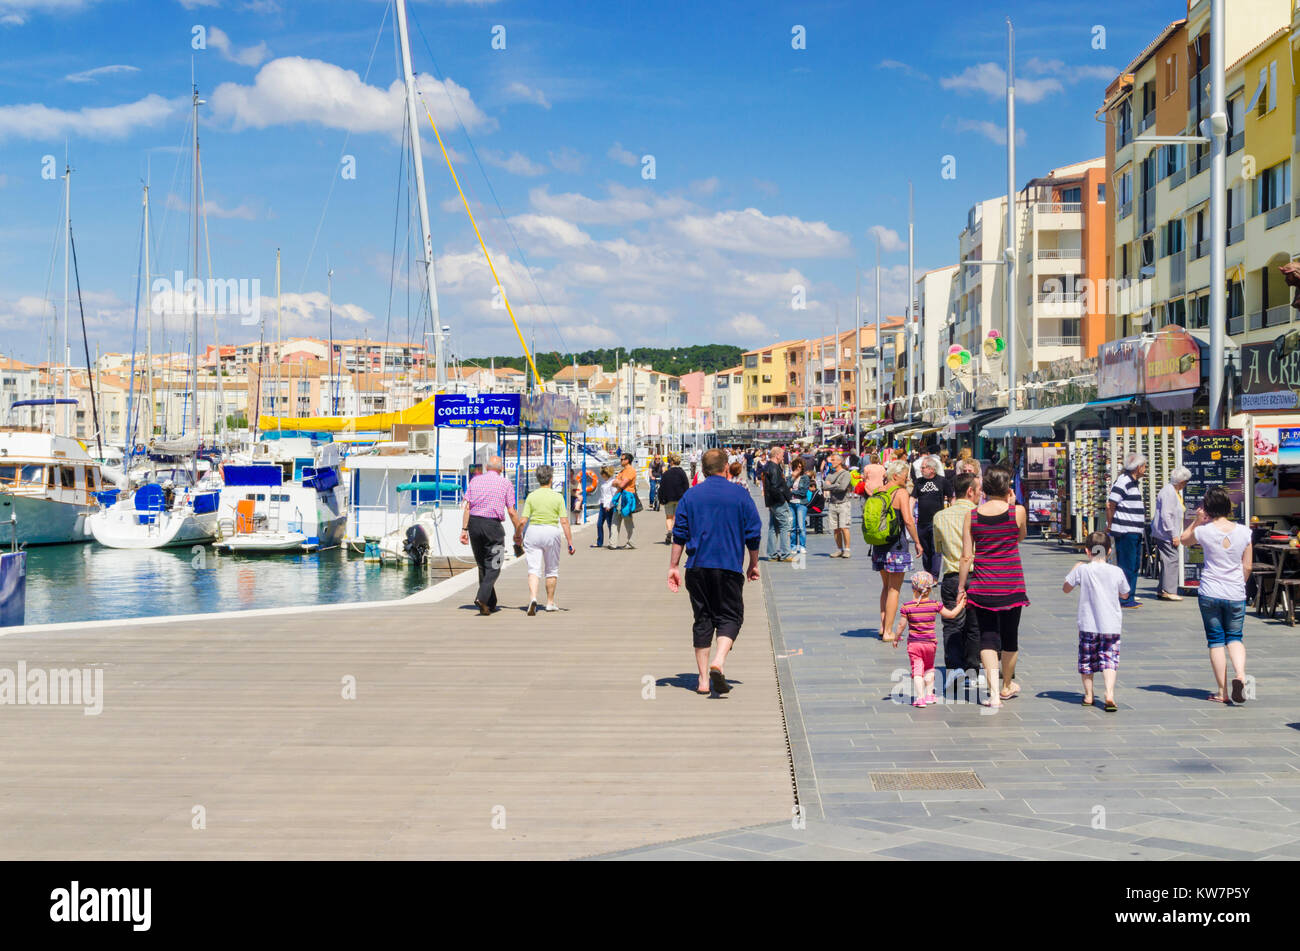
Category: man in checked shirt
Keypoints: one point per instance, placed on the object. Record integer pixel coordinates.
(488, 500)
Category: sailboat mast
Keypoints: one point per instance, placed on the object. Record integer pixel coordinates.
(276, 401)
(67, 316)
(194, 324)
(417, 160)
(148, 322)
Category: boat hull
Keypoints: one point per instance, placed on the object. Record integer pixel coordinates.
(42, 521)
(168, 530)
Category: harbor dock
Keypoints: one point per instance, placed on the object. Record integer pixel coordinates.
(557, 736)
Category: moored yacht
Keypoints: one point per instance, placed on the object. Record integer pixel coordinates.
(47, 488)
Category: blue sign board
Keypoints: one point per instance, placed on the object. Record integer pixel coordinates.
(1288, 447)
(487, 409)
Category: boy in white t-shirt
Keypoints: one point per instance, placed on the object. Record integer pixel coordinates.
(1104, 586)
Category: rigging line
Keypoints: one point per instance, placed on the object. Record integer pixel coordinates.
(49, 279)
(90, 379)
(132, 407)
(160, 238)
(337, 173)
(483, 171)
(397, 215)
(491, 267)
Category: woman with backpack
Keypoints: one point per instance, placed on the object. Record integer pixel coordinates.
(887, 524)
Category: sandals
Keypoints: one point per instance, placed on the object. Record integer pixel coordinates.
(1012, 695)
(1110, 706)
(1087, 701)
(1214, 697)
(718, 682)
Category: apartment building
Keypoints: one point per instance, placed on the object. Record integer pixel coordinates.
(1158, 224)
(728, 397)
(769, 399)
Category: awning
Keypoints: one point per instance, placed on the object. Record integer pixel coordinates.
(1038, 423)
(1176, 399)
(1117, 401)
(1011, 424)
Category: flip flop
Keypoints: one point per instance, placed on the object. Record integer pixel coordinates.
(1087, 701)
(1010, 696)
(1214, 697)
(1110, 706)
(718, 682)
(704, 693)
(1238, 692)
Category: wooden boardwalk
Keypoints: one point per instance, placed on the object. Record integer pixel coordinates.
(461, 724)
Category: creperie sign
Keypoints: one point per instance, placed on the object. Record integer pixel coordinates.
(1267, 368)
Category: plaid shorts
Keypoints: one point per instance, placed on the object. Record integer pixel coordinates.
(1098, 652)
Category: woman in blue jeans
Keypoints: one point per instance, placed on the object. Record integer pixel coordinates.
(1222, 595)
(800, 495)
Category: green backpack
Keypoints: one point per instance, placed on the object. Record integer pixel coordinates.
(881, 522)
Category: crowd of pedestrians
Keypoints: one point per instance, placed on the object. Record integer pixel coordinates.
(955, 525)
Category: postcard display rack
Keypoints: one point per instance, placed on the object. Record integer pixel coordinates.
(1045, 484)
(1090, 480)
(1162, 445)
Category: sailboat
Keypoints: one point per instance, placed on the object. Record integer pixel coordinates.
(165, 515)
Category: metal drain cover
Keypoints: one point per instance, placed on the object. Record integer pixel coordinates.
(933, 781)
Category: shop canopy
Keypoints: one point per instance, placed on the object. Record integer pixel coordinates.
(966, 424)
(1038, 423)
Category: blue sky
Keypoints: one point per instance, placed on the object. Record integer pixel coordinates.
(772, 164)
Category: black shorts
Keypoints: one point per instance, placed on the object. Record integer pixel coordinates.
(999, 630)
(718, 601)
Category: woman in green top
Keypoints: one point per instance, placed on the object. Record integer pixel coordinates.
(543, 527)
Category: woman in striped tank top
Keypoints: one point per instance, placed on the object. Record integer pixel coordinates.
(996, 593)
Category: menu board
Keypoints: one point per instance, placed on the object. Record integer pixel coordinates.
(1214, 457)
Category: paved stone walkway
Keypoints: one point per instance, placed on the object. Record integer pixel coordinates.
(1170, 776)
(557, 736)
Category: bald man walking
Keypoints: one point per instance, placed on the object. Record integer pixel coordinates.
(489, 500)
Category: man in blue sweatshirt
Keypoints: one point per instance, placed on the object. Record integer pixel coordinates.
(716, 524)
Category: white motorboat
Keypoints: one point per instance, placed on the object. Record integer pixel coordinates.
(290, 499)
(47, 488)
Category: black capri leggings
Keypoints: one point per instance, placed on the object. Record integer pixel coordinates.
(999, 630)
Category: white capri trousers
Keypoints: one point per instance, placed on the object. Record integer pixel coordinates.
(543, 545)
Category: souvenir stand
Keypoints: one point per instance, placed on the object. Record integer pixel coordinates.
(1090, 478)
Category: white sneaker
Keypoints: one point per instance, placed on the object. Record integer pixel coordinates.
(552, 607)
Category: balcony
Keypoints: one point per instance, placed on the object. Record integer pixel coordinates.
(1178, 177)
(1073, 341)
(1273, 317)
(1236, 325)
(1125, 210)
(1177, 272)
(1236, 233)
(1236, 142)
(1058, 207)
(1198, 164)
(1198, 250)
(1147, 122)
(1278, 216)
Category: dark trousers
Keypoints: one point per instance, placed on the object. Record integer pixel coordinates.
(487, 538)
(930, 559)
(961, 636)
(606, 518)
(718, 603)
(1128, 555)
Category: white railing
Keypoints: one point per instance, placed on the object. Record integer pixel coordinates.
(1059, 341)
(1059, 254)
(1059, 207)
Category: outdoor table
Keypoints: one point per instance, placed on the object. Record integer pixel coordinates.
(1281, 553)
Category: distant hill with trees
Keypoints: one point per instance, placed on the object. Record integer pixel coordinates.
(709, 357)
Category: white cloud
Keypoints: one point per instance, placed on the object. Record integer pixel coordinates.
(37, 121)
(991, 80)
(705, 186)
(90, 75)
(310, 313)
(518, 92)
(567, 160)
(752, 232)
(997, 134)
(248, 56)
(770, 189)
(196, 4)
(294, 89)
(890, 242)
(1070, 74)
(748, 327)
(623, 206)
(17, 12)
(516, 163)
(622, 155)
(551, 232)
(904, 68)
(212, 209)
